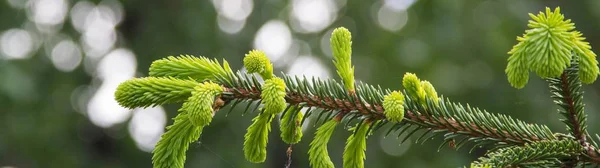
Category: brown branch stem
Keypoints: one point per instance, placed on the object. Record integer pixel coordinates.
(441, 123)
(449, 123)
(572, 118)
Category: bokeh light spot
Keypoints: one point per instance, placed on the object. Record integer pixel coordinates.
(16, 44)
(66, 56)
(146, 126)
(48, 12)
(392, 145)
(116, 67)
(309, 16)
(390, 18)
(274, 38)
(309, 67)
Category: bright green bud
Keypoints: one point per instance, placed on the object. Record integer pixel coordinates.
(341, 46)
(549, 53)
(480, 165)
(517, 69)
(172, 146)
(354, 152)
(257, 62)
(153, 91)
(200, 105)
(413, 87)
(547, 49)
(273, 96)
(393, 104)
(317, 154)
(588, 65)
(430, 91)
(256, 139)
(187, 66)
(291, 131)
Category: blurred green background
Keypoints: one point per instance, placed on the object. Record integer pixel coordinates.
(61, 60)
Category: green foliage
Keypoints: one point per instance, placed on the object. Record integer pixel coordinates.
(467, 124)
(588, 65)
(196, 113)
(568, 94)
(257, 137)
(430, 91)
(256, 61)
(291, 125)
(153, 91)
(273, 96)
(517, 69)
(199, 105)
(551, 48)
(549, 43)
(173, 144)
(547, 49)
(413, 86)
(341, 46)
(535, 154)
(317, 154)
(473, 165)
(354, 152)
(187, 66)
(393, 103)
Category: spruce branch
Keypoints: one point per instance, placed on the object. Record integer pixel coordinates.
(393, 103)
(551, 48)
(449, 118)
(588, 65)
(256, 61)
(200, 104)
(196, 113)
(546, 49)
(354, 152)
(291, 126)
(257, 137)
(535, 154)
(187, 66)
(341, 45)
(172, 146)
(153, 91)
(318, 154)
(568, 94)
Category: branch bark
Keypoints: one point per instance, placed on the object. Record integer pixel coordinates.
(572, 118)
(441, 123)
(450, 124)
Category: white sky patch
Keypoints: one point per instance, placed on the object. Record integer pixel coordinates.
(274, 38)
(79, 13)
(146, 127)
(116, 67)
(232, 14)
(390, 16)
(234, 9)
(308, 66)
(310, 16)
(230, 26)
(48, 12)
(66, 56)
(16, 44)
(99, 35)
(398, 5)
